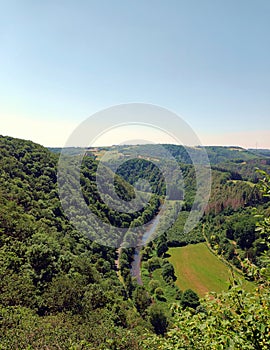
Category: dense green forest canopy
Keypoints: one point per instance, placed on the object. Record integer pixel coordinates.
(58, 289)
(52, 277)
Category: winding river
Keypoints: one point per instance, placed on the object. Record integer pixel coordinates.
(136, 264)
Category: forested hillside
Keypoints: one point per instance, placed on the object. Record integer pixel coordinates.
(60, 290)
(57, 288)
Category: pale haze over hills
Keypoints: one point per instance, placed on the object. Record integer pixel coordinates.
(55, 133)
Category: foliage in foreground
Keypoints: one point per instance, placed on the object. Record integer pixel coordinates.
(231, 320)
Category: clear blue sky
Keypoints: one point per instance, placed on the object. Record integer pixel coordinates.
(207, 60)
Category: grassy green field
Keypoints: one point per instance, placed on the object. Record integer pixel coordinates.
(199, 269)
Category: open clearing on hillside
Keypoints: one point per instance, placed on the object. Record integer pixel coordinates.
(199, 269)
